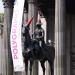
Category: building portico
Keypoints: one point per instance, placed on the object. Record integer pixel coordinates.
(59, 16)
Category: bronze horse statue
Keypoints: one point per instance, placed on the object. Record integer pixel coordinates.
(34, 52)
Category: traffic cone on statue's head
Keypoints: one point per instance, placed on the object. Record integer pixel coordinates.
(29, 22)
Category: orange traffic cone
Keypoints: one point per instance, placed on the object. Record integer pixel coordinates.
(29, 22)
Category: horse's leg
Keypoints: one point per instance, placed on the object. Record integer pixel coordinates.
(51, 63)
(43, 66)
(26, 67)
(31, 63)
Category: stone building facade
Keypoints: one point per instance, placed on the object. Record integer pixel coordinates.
(60, 16)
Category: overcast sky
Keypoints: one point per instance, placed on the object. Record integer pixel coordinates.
(1, 7)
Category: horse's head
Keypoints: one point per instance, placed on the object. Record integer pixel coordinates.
(27, 27)
(26, 33)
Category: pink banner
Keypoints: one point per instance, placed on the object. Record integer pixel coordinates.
(15, 37)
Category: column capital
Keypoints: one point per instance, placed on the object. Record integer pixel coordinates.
(25, 10)
(32, 1)
(8, 3)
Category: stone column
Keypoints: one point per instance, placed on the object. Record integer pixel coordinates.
(32, 12)
(8, 10)
(50, 33)
(25, 16)
(1, 49)
(60, 67)
(50, 25)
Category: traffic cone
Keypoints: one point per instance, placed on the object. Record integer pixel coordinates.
(29, 22)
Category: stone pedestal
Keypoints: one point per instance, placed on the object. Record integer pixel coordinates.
(8, 10)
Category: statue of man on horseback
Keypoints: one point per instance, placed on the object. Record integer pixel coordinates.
(43, 53)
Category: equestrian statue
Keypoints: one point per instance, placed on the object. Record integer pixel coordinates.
(36, 49)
